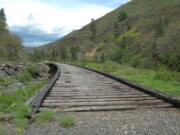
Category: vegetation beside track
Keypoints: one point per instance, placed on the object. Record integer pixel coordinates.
(46, 116)
(13, 109)
(13, 103)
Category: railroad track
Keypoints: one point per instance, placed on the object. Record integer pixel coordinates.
(79, 89)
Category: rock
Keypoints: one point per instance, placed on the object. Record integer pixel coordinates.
(11, 69)
(2, 73)
(43, 70)
(7, 117)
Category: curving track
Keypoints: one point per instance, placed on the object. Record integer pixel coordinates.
(79, 89)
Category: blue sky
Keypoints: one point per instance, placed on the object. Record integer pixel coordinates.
(41, 21)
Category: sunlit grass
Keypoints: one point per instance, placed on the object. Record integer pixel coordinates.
(10, 100)
(45, 116)
(67, 121)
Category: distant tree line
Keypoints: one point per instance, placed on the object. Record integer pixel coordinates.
(56, 54)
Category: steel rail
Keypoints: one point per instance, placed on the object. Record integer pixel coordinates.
(36, 101)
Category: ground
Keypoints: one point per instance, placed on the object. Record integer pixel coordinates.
(137, 122)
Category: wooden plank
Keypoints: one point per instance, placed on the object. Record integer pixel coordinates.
(102, 92)
(93, 89)
(97, 91)
(75, 104)
(95, 94)
(95, 97)
(117, 86)
(97, 100)
(108, 108)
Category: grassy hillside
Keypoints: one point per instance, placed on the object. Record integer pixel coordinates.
(142, 33)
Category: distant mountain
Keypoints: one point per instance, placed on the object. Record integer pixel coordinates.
(142, 33)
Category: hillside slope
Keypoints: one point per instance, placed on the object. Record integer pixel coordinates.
(142, 33)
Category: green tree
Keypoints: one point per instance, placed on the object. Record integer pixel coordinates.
(159, 28)
(122, 16)
(93, 29)
(37, 55)
(2, 15)
(102, 57)
(3, 24)
(63, 53)
(54, 54)
(116, 31)
(74, 50)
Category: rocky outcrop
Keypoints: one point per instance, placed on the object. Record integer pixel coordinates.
(11, 69)
(12, 72)
(43, 71)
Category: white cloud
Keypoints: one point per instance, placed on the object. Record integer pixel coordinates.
(47, 17)
(51, 17)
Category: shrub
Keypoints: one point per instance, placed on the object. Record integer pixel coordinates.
(6, 81)
(116, 55)
(21, 123)
(132, 34)
(67, 121)
(164, 75)
(24, 77)
(22, 111)
(135, 61)
(33, 70)
(110, 66)
(9, 101)
(147, 63)
(45, 116)
(122, 16)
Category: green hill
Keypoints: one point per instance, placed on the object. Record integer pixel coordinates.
(142, 33)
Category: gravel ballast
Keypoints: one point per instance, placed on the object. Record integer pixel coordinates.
(138, 122)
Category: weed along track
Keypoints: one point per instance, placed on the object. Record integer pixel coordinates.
(80, 89)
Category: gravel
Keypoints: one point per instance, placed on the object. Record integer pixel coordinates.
(138, 122)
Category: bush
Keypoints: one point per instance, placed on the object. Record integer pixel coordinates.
(24, 77)
(21, 122)
(165, 75)
(116, 55)
(33, 70)
(6, 81)
(94, 65)
(147, 63)
(22, 111)
(45, 116)
(11, 101)
(67, 121)
(135, 61)
(110, 66)
(122, 16)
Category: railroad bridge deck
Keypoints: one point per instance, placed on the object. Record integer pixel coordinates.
(79, 89)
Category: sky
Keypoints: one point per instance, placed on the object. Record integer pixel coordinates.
(38, 22)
